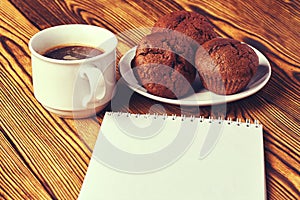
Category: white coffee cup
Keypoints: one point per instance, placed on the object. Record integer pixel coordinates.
(74, 88)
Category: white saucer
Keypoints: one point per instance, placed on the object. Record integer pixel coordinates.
(201, 97)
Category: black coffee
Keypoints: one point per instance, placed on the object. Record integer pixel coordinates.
(72, 52)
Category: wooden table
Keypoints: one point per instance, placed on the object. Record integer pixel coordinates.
(46, 157)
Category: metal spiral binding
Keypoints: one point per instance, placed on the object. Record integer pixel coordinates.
(146, 116)
(256, 123)
(248, 122)
(201, 119)
(238, 121)
(165, 116)
(229, 121)
(210, 119)
(174, 116)
(191, 118)
(182, 117)
(220, 120)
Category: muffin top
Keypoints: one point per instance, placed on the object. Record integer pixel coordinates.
(191, 24)
(163, 64)
(226, 56)
(226, 60)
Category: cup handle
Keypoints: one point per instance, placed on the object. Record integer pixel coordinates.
(96, 83)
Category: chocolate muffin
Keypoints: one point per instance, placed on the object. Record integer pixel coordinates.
(225, 66)
(191, 24)
(163, 64)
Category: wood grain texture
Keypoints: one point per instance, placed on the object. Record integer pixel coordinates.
(46, 157)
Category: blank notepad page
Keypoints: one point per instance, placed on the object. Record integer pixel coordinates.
(158, 157)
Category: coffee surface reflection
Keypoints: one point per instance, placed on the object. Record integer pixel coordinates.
(72, 52)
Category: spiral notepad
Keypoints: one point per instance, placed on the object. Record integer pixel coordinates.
(160, 157)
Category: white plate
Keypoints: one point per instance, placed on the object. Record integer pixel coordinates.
(201, 97)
